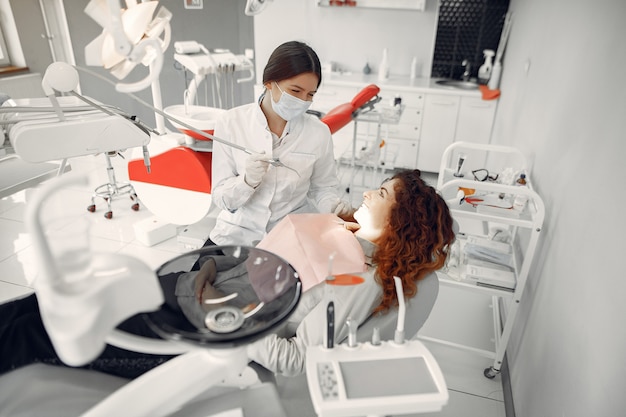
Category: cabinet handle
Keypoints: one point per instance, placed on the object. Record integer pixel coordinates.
(479, 106)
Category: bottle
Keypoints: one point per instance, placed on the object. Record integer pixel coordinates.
(383, 69)
(519, 202)
(484, 72)
(414, 68)
(496, 72)
(367, 69)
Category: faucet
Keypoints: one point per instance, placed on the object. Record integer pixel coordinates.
(466, 73)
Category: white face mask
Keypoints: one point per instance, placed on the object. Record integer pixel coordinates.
(289, 107)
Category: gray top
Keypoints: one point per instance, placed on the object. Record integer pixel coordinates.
(284, 352)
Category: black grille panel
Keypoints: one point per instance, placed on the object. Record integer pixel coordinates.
(465, 29)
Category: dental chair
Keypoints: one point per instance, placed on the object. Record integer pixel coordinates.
(68, 129)
(55, 391)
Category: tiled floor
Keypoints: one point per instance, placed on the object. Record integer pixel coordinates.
(471, 394)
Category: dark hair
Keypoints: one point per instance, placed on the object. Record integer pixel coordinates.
(417, 240)
(291, 59)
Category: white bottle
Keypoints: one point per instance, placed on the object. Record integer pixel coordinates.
(383, 69)
(414, 68)
(484, 72)
(520, 200)
(496, 73)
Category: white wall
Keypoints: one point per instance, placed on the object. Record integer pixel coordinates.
(349, 36)
(567, 113)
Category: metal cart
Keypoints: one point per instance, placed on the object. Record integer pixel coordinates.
(483, 211)
(372, 153)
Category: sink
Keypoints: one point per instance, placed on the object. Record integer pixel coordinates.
(463, 85)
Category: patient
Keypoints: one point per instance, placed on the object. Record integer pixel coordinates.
(405, 230)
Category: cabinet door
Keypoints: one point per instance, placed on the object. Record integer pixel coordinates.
(475, 120)
(438, 129)
(327, 98)
(404, 152)
(474, 125)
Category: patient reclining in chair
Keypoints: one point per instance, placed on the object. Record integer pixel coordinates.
(404, 229)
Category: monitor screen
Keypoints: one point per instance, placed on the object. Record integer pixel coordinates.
(388, 377)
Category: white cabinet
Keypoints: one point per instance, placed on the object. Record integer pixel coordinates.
(401, 138)
(432, 119)
(438, 129)
(327, 98)
(451, 118)
(474, 124)
(495, 246)
(475, 120)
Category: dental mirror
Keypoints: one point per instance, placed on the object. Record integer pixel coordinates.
(224, 296)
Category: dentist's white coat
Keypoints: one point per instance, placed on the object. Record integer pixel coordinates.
(248, 213)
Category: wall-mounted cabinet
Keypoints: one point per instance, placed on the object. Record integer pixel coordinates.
(376, 4)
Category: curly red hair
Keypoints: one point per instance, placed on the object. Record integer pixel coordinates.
(417, 239)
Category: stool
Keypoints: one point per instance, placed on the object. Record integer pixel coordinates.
(113, 189)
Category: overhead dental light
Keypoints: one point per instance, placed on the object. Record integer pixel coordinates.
(130, 36)
(255, 6)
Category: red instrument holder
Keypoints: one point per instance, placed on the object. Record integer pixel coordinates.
(179, 167)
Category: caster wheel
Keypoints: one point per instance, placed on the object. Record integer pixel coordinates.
(490, 373)
(108, 215)
(91, 208)
(135, 207)
(133, 197)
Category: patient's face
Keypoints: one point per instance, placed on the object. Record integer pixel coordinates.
(375, 211)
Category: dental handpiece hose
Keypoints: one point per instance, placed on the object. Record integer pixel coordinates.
(398, 336)
(273, 161)
(162, 113)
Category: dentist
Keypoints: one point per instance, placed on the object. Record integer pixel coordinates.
(254, 194)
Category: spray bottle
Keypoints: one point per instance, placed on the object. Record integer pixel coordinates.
(484, 72)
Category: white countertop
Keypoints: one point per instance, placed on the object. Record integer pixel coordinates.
(419, 85)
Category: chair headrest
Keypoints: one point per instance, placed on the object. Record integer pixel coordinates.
(365, 95)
